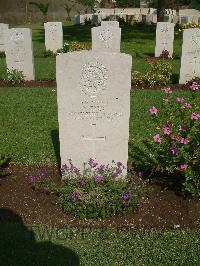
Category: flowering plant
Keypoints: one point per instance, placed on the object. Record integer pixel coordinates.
(188, 26)
(159, 73)
(176, 141)
(74, 46)
(41, 182)
(99, 191)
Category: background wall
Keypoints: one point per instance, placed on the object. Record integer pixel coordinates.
(20, 11)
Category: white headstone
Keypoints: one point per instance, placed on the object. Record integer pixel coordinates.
(190, 60)
(164, 38)
(93, 92)
(19, 52)
(53, 36)
(3, 31)
(106, 39)
(110, 24)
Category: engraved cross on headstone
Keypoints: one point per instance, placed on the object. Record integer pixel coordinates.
(196, 64)
(93, 139)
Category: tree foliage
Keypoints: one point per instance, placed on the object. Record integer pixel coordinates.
(44, 8)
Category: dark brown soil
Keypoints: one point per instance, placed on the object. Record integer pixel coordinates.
(162, 208)
(159, 87)
(52, 84)
(30, 84)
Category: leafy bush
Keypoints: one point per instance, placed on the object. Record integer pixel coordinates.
(187, 26)
(74, 46)
(175, 144)
(87, 21)
(164, 54)
(41, 182)
(98, 191)
(159, 74)
(2, 54)
(15, 76)
(49, 53)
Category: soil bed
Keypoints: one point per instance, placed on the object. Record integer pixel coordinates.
(29, 84)
(162, 207)
(52, 83)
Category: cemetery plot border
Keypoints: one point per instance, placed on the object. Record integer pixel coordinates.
(162, 207)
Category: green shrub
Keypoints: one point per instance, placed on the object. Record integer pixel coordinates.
(41, 182)
(175, 144)
(97, 192)
(15, 76)
(74, 46)
(159, 74)
(49, 53)
(2, 54)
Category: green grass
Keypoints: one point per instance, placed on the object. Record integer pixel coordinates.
(138, 41)
(22, 245)
(29, 126)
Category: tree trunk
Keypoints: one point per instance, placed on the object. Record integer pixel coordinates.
(161, 10)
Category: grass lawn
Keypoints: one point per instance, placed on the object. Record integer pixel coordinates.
(29, 126)
(51, 246)
(139, 41)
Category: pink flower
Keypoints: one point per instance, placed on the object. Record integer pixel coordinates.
(186, 105)
(182, 128)
(153, 110)
(167, 90)
(195, 116)
(176, 138)
(195, 86)
(184, 141)
(183, 166)
(166, 131)
(157, 138)
(180, 100)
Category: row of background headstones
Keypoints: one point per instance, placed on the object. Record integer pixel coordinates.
(145, 18)
(19, 52)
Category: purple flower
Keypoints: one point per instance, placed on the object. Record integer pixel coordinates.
(42, 173)
(125, 196)
(119, 164)
(140, 174)
(82, 182)
(98, 178)
(182, 128)
(102, 167)
(31, 179)
(92, 163)
(64, 168)
(73, 168)
(74, 196)
(174, 150)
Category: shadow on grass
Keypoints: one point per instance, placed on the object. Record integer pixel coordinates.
(175, 78)
(81, 33)
(19, 247)
(56, 145)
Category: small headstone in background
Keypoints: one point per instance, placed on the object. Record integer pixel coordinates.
(106, 39)
(183, 20)
(93, 92)
(3, 31)
(110, 24)
(164, 38)
(19, 51)
(53, 36)
(190, 59)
